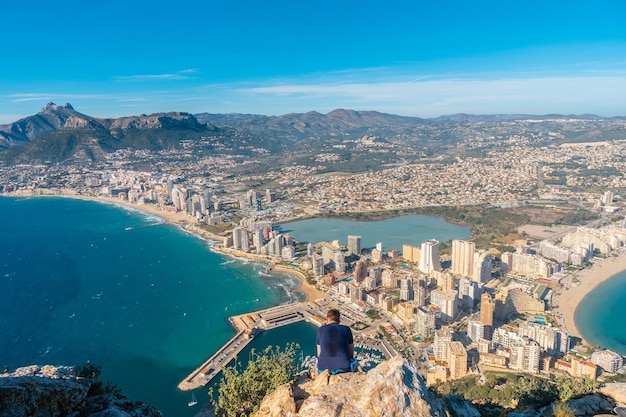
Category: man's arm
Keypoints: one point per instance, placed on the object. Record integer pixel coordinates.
(350, 350)
(319, 350)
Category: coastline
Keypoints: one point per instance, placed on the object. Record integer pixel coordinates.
(589, 278)
(309, 291)
(183, 221)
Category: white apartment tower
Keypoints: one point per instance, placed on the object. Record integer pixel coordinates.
(475, 330)
(446, 300)
(442, 340)
(406, 289)
(525, 355)
(239, 236)
(429, 259)
(424, 322)
(419, 295)
(482, 266)
(607, 360)
(469, 292)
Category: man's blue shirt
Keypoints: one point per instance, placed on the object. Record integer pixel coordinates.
(334, 339)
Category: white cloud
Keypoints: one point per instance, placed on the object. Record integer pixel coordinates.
(45, 97)
(185, 74)
(444, 96)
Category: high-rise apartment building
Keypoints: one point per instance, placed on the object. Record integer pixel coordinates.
(463, 258)
(318, 265)
(429, 259)
(354, 244)
(607, 360)
(424, 322)
(483, 262)
(447, 302)
(442, 340)
(239, 234)
(340, 262)
(475, 330)
(469, 291)
(411, 253)
(406, 289)
(551, 339)
(525, 355)
(487, 307)
(356, 293)
(360, 270)
(419, 294)
(457, 360)
(389, 278)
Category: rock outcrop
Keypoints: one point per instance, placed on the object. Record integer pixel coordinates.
(617, 391)
(50, 391)
(391, 389)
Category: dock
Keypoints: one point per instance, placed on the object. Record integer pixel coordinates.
(247, 326)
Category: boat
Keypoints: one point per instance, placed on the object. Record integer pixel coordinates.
(193, 400)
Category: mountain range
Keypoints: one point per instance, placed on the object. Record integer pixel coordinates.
(61, 134)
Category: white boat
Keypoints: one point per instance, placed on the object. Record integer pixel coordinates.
(193, 400)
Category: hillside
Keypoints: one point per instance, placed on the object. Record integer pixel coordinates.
(343, 140)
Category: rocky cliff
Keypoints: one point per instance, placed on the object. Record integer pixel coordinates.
(50, 391)
(391, 389)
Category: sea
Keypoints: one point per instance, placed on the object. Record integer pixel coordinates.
(393, 233)
(600, 315)
(144, 300)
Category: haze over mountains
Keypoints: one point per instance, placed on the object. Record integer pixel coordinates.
(62, 134)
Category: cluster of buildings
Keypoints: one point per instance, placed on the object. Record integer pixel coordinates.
(505, 322)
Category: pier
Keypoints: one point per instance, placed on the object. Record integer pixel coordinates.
(249, 325)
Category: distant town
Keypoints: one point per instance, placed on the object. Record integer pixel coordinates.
(457, 307)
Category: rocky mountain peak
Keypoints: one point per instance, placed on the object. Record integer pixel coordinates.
(51, 107)
(391, 389)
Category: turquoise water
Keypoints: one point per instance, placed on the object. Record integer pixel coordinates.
(146, 301)
(393, 233)
(600, 315)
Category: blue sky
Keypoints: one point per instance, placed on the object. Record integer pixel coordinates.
(411, 58)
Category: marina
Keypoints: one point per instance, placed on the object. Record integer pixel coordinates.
(251, 324)
(248, 326)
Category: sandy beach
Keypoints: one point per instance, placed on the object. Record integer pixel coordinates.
(589, 278)
(309, 291)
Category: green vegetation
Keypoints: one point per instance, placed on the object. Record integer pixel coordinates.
(240, 392)
(615, 378)
(568, 387)
(92, 372)
(359, 325)
(372, 314)
(217, 229)
(512, 391)
(562, 410)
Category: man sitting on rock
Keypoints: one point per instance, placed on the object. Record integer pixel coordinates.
(335, 346)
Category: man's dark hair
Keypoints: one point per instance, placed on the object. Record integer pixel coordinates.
(333, 315)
